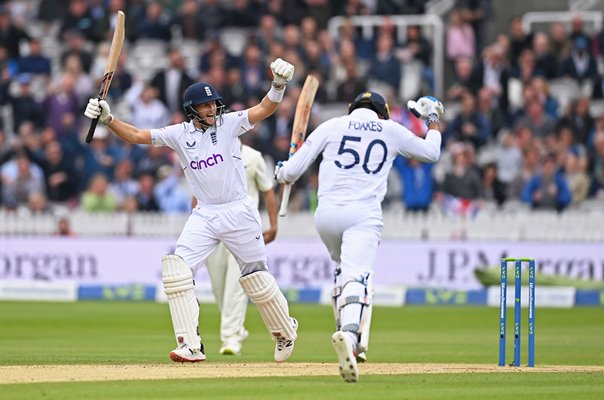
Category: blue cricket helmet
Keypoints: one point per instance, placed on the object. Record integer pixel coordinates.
(200, 93)
(373, 101)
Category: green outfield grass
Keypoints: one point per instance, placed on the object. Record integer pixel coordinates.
(141, 333)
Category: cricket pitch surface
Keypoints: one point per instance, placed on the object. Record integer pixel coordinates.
(90, 373)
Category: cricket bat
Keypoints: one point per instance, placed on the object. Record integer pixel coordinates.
(301, 117)
(114, 54)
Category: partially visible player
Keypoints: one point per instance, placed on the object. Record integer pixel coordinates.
(209, 152)
(358, 150)
(222, 266)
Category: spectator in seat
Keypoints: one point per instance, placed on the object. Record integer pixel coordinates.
(493, 189)
(100, 156)
(62, 106)
(11, 36)
(384, 66)
(463, 181)
(171, 191)
(419, 48)
(525, 68)
(547, 189)
(469, 125)
(542, 91)
(579, 120)
(76, 45)
(460, 37)
(172, 82)
(61, 176)
(24, 106)
(20, 177)
(191, 20)
(546, 64)
(489, 109)
(519, 39)
(147, 110)
(537, 120)
(98, 197)
(580, 65)
(243, 14)
(508, 158)
(417, 181)
(352, 85)
(476, 13)
(156, 23)
(123, 184)
(577, 30)
(145, 198)
(560, 43)
(466, 80)
(35, 62)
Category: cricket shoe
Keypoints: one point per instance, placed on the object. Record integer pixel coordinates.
(232, 346)
(345, 348)
(184, 353)
(361, 357)
(285, 347)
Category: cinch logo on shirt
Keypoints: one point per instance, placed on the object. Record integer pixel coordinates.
(208, 162)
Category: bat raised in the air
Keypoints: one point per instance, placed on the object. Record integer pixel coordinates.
(114, 54)
(301, 117)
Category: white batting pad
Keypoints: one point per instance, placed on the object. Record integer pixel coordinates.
(366, 317)
(262, 289)
(354, 307)
(184, 309)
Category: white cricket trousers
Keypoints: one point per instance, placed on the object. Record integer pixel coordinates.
(236, 224)
(352, 235)
(232, 301)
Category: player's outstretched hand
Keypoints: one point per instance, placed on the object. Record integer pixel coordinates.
(278, 173)
(96, 108)
(283, 71)
(426, 108)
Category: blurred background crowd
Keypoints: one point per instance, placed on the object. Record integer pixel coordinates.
(513, 134)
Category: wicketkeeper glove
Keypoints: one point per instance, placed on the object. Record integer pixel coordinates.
(427, 108)
(96, 108)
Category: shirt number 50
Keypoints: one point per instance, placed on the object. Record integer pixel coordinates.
(357, 158)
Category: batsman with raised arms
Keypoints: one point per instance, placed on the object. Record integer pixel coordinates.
(358, 150)
(209, 152)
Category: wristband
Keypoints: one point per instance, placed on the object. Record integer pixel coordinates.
(109, 120)
(276, 95)
(432, 118)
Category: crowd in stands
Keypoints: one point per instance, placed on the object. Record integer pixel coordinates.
(511, 140)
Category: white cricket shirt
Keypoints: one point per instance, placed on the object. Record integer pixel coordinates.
(358, 151)
(211, 160)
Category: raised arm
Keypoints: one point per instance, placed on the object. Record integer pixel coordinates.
(283, 72)
(126, 132)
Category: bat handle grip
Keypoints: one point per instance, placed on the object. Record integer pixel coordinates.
(285, 199)
(91, 130)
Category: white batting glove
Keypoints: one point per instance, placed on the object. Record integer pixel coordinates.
(96, 108)
(278, 174)
(427, 108)
(283, 71)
